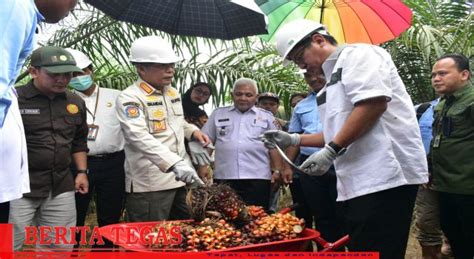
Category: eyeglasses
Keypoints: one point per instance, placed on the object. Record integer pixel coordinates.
(202, 92)
(298, 54)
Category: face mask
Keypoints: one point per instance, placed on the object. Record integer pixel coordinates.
(81, 83)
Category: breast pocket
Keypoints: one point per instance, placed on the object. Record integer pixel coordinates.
(306, 114)
(73, 119)
(457, 123)
(257, 129)
(177, 107)
(224, 130)
(157, 119)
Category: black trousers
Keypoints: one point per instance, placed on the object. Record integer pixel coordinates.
(380, 222)
(457, 222)
(107, 182)
(4, 212)
(298, 197)
(252, 191)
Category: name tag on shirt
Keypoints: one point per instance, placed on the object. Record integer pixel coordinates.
(30, 111)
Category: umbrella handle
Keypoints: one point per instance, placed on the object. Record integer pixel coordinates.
(331, 246)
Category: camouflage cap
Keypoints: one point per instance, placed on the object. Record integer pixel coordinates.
(54, 59)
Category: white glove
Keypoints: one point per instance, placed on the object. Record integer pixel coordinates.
(199, 154)
(319, 163)
(281, 138)
(186, 173)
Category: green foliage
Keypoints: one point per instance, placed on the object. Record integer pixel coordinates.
(438, 27)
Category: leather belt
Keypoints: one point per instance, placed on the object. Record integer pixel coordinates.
(104, 156)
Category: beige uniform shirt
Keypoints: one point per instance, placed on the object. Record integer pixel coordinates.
(154, 129)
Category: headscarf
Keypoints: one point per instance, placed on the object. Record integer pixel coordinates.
(192, 112)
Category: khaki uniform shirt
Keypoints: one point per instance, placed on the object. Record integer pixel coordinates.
(154, 129)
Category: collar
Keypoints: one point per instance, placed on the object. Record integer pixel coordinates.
(329, 63)
(253, 109)
(39, 16)
(335, 54)
(459, 92)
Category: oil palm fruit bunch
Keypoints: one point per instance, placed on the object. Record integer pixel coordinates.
(217, 201)
(274, 227)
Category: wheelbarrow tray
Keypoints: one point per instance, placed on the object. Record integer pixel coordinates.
(296, 244)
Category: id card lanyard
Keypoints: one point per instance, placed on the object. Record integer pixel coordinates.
(444, 123)
(93, 129)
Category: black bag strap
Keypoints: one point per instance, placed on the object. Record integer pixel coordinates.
(421, 109)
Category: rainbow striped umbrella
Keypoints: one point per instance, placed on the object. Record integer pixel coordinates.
(349, 21)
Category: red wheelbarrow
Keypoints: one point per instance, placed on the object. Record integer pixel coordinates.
(297, 244)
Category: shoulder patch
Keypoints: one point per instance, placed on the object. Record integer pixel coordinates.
(72, 108)
(132, 111)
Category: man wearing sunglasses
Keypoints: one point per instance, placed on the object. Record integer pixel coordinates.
(370, 133)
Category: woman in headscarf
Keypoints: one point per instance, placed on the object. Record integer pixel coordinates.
(195, 96)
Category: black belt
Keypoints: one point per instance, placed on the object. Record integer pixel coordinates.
(104, 156)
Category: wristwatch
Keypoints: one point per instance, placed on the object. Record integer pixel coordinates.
(82, 171)
(275, 171)
(338, 149)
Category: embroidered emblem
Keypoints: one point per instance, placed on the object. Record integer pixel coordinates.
(158, 114)
(171, 93)
(72, 108)
(132, 111)
(159, 126)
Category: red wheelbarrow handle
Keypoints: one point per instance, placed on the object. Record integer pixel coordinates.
(332, 246)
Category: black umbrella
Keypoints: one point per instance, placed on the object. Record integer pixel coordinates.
(221, 19)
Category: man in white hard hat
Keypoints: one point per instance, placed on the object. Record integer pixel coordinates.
(151, 115)
(369, 132)
(105, 141)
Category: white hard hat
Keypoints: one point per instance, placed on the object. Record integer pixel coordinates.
(82, 60)
(292, 33)
(152, 49)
